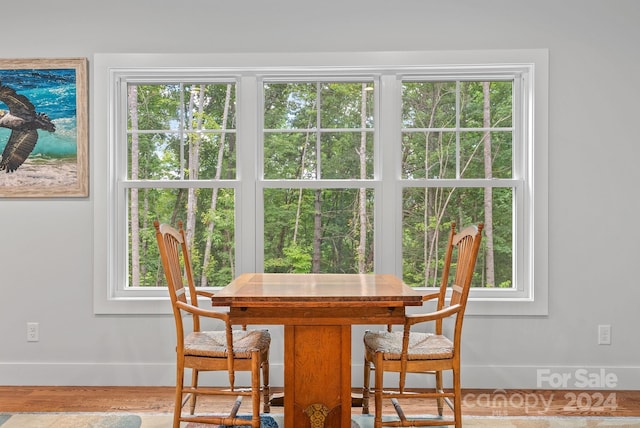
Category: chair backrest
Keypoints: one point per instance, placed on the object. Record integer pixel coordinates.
(175, 259)
(467, 243)
(461, 256)
(174, 254)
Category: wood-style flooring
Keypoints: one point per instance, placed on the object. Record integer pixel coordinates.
(475, 402)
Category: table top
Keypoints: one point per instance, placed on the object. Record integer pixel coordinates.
(331, 290)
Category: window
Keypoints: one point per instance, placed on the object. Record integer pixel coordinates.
(179, 157)
(458, 164)
(318, 186)
(333, 165)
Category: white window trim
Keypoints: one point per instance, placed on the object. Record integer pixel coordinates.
(531, 300)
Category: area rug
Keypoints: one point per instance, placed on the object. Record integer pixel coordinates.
(150, 420)
(84, 420)
(527, 422)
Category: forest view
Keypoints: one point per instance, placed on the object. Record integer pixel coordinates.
(318, 158)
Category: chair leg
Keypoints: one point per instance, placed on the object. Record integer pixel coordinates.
(439, 388)
(378, 389)
(177, 408)
(266, 389)
(255, 389)
(457, 398)
(365, 386)
(194, 396)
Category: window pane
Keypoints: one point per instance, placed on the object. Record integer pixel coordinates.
(427, 216)
(486, 104)
(208, 217)
(154, 107)
(429, 105)
(429, 154)
(320, 231)
(154, 156)
(210, 156)
(347, 155)
(347, 105)
(290, 106)
(209, 106)
(290, 156)
(486, 155)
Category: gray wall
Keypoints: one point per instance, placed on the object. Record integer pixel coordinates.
(46, 246)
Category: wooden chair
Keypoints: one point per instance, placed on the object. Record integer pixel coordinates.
(410, 351)
(225, 350)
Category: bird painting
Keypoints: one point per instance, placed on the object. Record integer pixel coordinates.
(24, 122)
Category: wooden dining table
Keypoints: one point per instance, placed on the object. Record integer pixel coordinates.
(317, 311)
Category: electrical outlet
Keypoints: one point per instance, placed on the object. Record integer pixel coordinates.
(604, 335)
(33, 332)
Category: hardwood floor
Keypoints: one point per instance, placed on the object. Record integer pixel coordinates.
(475, 402)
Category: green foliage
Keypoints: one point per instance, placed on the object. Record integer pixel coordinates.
(317, 130)
(295, 260)
(445, 136)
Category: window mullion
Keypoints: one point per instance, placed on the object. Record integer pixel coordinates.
(388, 200)
(319, 130)
(249, 198)
(458, 108)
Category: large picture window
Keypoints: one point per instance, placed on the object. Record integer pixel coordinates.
(332, 166)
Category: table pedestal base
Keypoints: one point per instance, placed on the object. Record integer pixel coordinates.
(318, 383)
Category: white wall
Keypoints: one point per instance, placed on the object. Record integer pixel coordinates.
(46, 246)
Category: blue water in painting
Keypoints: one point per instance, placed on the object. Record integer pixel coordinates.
(53, 92)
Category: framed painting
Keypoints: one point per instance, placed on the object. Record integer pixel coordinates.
(43, 128)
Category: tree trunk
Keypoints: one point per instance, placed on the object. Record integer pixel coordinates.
(430, 243)
(362, 245)
(488, 191)
(317, 232)
(145, 226)
(194, 160)
(214, 194)
(300, 191)
(134, 215)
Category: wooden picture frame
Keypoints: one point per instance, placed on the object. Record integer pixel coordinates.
(43, 128)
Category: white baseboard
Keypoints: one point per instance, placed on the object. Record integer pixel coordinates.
(87, 374)
(476, 377)
(112, 374)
